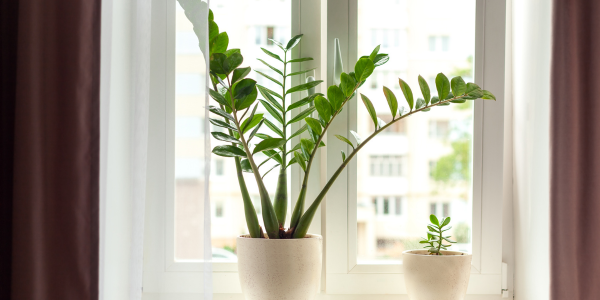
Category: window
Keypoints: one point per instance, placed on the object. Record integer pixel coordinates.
(270, 35)
(376, 208)
(398, 206)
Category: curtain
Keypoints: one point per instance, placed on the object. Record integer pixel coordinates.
(575, 132)
(132, 215)
(125, 93)
(49, 137)
(529, 81)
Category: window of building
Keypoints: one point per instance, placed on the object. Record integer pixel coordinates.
(386, 165)
(386, 206)
(219, 209)
(446, 210)
(398, 206)
(219, 167)
(270, 35)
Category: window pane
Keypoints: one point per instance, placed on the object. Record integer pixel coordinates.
(422, 165)
(249, 25)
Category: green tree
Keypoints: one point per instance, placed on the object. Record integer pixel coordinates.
(454, 166)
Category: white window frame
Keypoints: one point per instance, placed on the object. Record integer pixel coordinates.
(321, 22)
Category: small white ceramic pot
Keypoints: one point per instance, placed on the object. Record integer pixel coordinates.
(288, 269)
(435, 277)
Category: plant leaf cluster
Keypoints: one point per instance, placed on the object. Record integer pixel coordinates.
(435, 235)
(237, 114)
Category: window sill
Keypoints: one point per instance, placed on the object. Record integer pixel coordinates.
(193, 296)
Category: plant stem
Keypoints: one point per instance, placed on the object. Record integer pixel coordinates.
(299, 208)
(280, 201)
(302, 228)
(269, 217)
(249, 211)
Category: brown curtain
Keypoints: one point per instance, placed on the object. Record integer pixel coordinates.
(575, 134)
(49, 149)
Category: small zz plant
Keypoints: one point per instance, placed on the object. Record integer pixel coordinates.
(435, 239)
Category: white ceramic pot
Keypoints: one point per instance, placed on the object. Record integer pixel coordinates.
(435, 277)
(287, 269)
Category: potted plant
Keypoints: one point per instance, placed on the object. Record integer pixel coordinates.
(282, 262)
(436, 273)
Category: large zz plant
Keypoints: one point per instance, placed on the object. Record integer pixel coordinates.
(237, 97)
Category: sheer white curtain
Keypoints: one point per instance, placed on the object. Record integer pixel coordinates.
(529, 86)
(127, 58)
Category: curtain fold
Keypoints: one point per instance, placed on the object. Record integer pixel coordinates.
(575, 131)
(50, 119)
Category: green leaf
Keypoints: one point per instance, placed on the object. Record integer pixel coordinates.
(298, 132)
(229, 52)
(458, 86)
(272, 154)
(267, 95)
(420, 103)
(381, 59)
(449, 240)
(263, 136)
(434, 250)
(271, 54)
(219, 98)
(213, 30)
(488, 95)
(228, 151)
(300, 160)
(245, 164)
(225, 137)
(280, 45)
(442, 85)
(304, 86)
(300, 59)
(222, 124)
(220, 112)
(314, 125)
(268, 144)
(293, 42)
(239, 74)
(306, 146)
(401, 111)
(343, 156)
(233, 61)
(303, 114)
(392, 101)
(269, 77)
(217, 63)
(423, 242)
(323, 108)
(408, 95)
(357, 137)
(272, 111)
(253, 133)
(374, 53)
(251, 121)
(243, 88)
(303, 101)
(363, 69)
(271, 92)
(246, 101)
(219, 43)
(313, 135)
(435, 99)
(447, 228)
(347, 84)
(425, 89)
(273, 127)
(434, 220)
(446, 222)
(458, 101)
(345, 140)
(300, 72)
(336, 97)
(431, 228)
(272, 68)
(370, 109)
